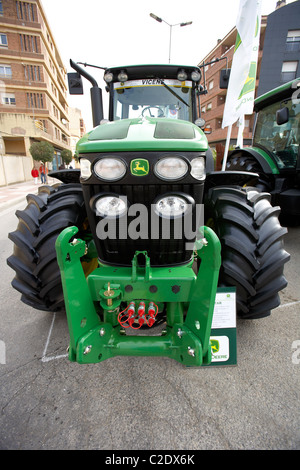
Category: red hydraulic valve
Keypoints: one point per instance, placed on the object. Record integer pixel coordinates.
(151, 314)
(141, 313)
(131, 313)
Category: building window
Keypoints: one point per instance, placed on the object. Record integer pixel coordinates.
(55, 112)
(57, 133)
(218, 123)
(25, 11)
(32, 72)
(288, 71)
(40, 124)
(209, 106)
(35, 100)
(1, 8)
(9, 99)
(29, 43)
(220, 100)
(293, 41)
(5, 71)
(3, 40)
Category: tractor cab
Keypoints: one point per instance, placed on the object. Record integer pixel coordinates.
(160, 91)
(278, 127)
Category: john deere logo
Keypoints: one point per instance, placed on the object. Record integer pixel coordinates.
(215, 345)
(139, 167)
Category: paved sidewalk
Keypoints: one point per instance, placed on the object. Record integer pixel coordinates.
(15, 193)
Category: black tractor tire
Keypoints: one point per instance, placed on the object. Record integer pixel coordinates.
(34, 256)
(246, 162)
(253, 255)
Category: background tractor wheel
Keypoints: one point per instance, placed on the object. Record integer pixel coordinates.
(246, 162)
(34, 257)
(253, 255)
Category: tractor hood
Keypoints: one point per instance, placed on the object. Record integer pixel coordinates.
(143, 134)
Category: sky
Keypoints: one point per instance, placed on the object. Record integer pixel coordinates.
(112, 33)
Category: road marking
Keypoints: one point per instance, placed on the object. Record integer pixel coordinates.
(46, 358)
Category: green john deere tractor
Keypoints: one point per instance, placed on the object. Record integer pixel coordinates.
(275, 154)
(124, 244)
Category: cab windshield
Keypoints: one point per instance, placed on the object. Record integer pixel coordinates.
(282, 140)
(153, 98)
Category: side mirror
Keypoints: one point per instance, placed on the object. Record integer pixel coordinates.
(224, 78)
(75, 84)
(282, 116)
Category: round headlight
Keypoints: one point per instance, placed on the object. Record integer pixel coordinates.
(111, 206)
(182, 76)
(108, 77)
(195, 76)
(110, 169)
(85, 168)
(171, 206)
(122, 77)
(198, 168)
(171, 168)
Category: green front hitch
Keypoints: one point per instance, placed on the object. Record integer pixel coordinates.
(93, 304)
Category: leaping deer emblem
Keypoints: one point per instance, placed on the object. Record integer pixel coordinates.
(139, 168)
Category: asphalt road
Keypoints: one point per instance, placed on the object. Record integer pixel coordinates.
(128, 403)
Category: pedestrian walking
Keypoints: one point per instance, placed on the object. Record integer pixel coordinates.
(43, 172)
(35, 175)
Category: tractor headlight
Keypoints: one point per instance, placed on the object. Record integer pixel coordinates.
(171, 206)
(198, 168)
(110, 169)
(85, 168)
(182, 75)
(171, 168)
(111, 206)
(108, 77)
(122, 77)
(195, 76)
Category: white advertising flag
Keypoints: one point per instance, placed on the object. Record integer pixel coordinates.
(241, 86)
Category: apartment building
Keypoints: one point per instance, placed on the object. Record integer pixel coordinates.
(212, 103)
(281, 57)
(33, 91)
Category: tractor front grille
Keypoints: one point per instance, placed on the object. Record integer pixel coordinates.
(162, 252)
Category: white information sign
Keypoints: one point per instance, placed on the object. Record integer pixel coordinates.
(225, 310)
(223, 332)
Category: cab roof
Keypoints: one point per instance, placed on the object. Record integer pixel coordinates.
(162, 71)
(282, 92)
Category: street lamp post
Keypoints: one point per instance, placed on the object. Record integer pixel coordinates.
(160, 20)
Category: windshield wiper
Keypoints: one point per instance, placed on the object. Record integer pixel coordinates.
(172, 91)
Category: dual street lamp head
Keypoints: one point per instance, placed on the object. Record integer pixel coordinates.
(157, 18)
(160, 20)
